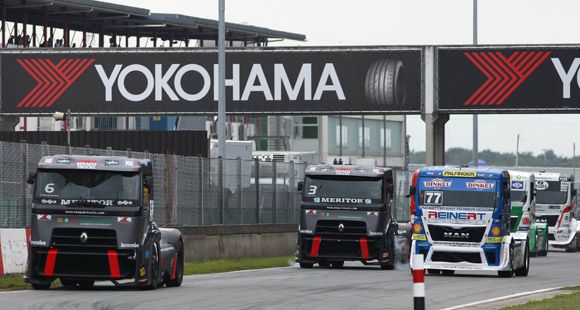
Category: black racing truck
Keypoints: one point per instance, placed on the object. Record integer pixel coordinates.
(346, 216)
(92, 219)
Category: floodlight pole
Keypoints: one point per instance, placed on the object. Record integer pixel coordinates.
(221, 81)
(475, 155)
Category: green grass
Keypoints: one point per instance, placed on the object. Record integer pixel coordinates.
(223, 265)
(560, 302)
(16, 282)
(13, 282)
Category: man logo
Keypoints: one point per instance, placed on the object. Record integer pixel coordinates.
(84, 237)
(455, 235)
(341, 227)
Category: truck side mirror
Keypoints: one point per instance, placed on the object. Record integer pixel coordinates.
(300, 186)
(574, 192)
(412, 191)
(525, 198)
(148, 182)
(31, 178)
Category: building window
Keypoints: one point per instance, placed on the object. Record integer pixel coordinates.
(344, 131)
(388, 132)
(306, 127)
(367, 137)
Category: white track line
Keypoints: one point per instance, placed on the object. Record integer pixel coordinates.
(503, 298)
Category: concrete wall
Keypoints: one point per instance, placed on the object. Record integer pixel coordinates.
(238, 241)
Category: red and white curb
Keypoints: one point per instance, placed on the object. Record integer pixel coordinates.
(13, 249)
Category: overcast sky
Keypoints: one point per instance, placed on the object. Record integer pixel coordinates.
(421, 22)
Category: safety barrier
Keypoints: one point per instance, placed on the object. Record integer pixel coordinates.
(418, 282)
(13, 250)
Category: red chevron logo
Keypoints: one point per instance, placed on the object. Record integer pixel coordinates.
(52, 79)
(504, 75)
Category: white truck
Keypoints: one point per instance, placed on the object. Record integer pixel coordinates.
(555, 206)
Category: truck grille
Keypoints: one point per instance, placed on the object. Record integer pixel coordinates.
(456, 257)
(333, 227)
(96, 238)
(550, 219)
(462, 234)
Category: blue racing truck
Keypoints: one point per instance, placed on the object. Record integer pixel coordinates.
(462, 222)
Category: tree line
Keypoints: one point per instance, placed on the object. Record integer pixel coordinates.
(461, 156)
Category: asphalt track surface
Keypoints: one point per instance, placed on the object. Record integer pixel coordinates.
(353, 287)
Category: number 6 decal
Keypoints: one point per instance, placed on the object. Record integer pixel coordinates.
(49, 188)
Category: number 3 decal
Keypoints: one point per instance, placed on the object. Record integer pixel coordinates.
(312, 190)
(49, 188)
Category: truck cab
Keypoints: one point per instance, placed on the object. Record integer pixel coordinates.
(555, 206)
(346, 215)
(92, 219)
(523, 215)
(462, 222)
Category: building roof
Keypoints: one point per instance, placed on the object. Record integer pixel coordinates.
(115, 19)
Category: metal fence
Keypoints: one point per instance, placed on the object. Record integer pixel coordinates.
(188, 190)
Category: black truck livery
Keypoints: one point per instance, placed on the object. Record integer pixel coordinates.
(92, 219)
(346, 216)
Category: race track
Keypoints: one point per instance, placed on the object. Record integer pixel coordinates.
(353, 287)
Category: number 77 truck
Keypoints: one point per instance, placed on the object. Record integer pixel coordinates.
(462, 222)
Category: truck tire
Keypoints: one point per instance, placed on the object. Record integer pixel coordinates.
(338, 264)
(179, 270)
(154, 271)
(571, 247)
(448, 272)
(525, 269)
(40, 287)
(434, 271)
(306, 265)
(323, 263)
(385, 83)
(388, 266)
(544, 251)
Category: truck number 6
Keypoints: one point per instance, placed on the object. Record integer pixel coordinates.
(49, 188)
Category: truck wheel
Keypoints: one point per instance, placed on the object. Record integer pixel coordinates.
(525, 269)
(40, 287)
(306, 265)
(385, 83)
(388, 266)
(154, 268)
(434, 271)
(448, 272)
(179, 269)
(510, 272)
(338, 264)
(544, 251)
(323, 263)
(571, 247)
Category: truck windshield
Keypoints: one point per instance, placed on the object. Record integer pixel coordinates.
(551, 192)
(101, 187)
(517, 196)
(450, 198)
(343, 187)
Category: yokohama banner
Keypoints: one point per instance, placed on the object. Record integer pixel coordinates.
(509, 79)
(258, 81)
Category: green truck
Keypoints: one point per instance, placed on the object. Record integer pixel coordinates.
(523, 214)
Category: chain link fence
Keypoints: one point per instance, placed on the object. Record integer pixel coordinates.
(187, 190)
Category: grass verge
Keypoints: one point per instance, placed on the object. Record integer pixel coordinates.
(224, 265)
(16, 282)
(560, 302)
